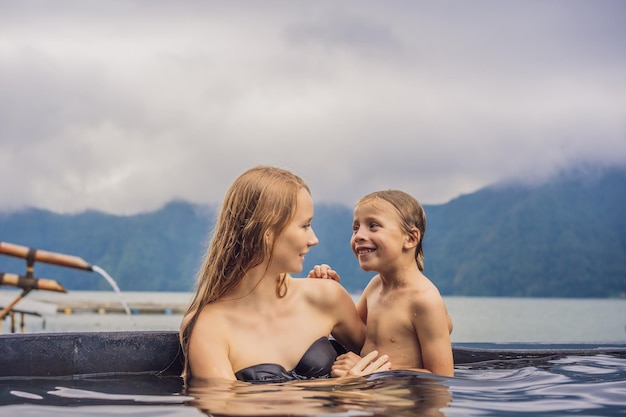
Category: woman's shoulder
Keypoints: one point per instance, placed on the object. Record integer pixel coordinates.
(211, 323)
(317, 289)
(318, 284)
(211, 314)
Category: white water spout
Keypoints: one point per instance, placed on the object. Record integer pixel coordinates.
(115, 287)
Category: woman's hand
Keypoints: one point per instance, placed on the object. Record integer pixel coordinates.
(324, 271)
(351, 364)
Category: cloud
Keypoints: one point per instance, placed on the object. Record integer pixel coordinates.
(123, 106)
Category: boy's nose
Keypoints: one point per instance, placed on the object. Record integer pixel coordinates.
(358, 237)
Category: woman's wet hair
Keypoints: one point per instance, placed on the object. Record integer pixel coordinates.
(260, 203)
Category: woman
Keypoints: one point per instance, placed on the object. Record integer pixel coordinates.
(249, 319)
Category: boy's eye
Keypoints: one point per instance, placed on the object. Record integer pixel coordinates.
(374, 225)
(355, 227)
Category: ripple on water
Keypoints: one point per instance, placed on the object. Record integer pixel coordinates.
(584, 385)
(571, 385)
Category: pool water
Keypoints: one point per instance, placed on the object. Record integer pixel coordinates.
(562, 386)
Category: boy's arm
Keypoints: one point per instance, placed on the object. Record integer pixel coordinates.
(433, 326)
(324, 271)
(351, 364)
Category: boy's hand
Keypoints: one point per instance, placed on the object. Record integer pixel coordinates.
(351, 364)
(324, 271)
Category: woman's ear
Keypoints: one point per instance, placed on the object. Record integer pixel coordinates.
(412, 239)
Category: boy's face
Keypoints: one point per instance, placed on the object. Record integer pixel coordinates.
(377, 236)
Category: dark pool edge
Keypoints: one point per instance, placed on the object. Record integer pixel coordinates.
(81, 353)
(472, 353)
(77, 354)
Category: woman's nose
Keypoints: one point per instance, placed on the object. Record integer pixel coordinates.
(313, 240)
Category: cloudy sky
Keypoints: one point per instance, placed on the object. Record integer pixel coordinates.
(122, 106)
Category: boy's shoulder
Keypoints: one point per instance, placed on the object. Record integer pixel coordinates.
(420, 293)
(424, 286)
(374, 282)
(426, 297)
(374, 285)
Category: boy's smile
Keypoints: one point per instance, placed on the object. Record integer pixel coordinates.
(363, 251)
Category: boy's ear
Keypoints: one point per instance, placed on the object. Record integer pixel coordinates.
(412, 239)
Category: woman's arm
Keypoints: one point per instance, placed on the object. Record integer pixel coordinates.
(349, 330)
(208, 351)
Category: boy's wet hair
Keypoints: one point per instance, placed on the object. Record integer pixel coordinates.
(411, 214)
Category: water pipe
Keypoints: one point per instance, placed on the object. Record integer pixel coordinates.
(30, 283)
(31, 255)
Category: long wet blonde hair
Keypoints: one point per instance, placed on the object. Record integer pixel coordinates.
(261, 201)
(411, 212)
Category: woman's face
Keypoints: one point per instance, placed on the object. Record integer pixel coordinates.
(297, 238)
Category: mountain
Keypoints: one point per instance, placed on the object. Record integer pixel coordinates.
(563, 238)
(157, 251)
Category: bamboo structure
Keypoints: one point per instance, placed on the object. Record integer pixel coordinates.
(28, 282)
(32, 283)
(32, 255)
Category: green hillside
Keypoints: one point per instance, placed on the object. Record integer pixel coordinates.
(564, 238)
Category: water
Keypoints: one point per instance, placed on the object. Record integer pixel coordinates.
(565, 386)
(116, 288)
(573, 385)
(559, 385)
(476, 319)
(114, 285)
(506, 319)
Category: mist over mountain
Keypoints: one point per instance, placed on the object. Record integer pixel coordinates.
(565, 237)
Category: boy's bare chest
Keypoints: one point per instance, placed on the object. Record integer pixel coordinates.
(389, 318)
(390, 330)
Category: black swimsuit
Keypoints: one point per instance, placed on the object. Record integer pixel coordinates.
(315, 363)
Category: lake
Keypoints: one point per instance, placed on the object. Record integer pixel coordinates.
(476, 319)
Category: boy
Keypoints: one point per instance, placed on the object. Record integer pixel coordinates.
(405, 314)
